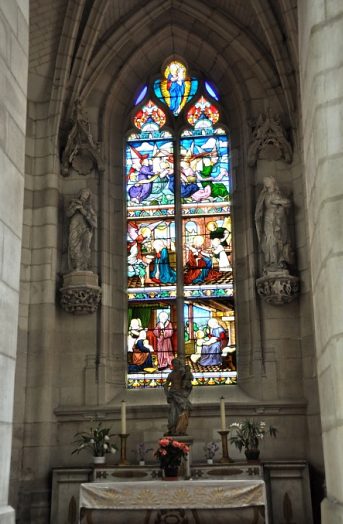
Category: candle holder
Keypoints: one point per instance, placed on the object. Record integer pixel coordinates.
(225, 458)
(123, 460)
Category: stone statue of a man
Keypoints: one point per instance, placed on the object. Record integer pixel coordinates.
(178, 387)
(82, 223)
(272, 227)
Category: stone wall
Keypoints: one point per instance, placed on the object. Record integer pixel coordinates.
(14, 18)
(321, 71)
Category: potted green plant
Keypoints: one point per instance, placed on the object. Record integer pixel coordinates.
(170, 452)
(247, 435)
(97, 440)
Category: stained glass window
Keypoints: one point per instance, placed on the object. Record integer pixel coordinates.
(178, 202)
(175, 88)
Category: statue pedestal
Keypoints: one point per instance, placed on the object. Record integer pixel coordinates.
(80, 293)
(278, 287)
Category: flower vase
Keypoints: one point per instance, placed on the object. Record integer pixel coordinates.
(170, 472)
(252, 455)
(99, 460)
(142, 462)
(210, 461)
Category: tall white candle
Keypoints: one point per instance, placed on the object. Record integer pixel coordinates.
(222, 414)
(123, 417)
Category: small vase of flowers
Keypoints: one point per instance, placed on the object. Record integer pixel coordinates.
(97, 441)
(247, 435)
(210, 449)
(141, 452)
(170, 453)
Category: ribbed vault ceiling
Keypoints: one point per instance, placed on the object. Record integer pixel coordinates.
(101, 38)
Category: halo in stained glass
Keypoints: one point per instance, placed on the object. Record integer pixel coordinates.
(141, 95)
(202, 114)
(175, 89)
(150, 117)
(211, 90)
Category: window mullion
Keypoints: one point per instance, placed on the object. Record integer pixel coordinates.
(179, 252)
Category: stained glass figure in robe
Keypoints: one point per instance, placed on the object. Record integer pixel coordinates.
(149, 165)
(151, 257)
(205, 180)
(210, 343)
(152, 342)
(208, 254)
(175, 89)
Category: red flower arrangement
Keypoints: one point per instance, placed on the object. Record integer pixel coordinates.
(170, 452)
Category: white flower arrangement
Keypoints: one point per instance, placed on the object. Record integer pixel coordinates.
(97, 440)
(248, 433)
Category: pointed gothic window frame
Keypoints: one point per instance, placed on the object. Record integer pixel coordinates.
(175, 300)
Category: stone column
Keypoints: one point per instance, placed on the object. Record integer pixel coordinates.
(321, 77)
(13, 91)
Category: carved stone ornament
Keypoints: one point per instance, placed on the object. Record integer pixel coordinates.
(278, 288)
(82, 224)
(81, 154)
(80, 293)
(268, 140)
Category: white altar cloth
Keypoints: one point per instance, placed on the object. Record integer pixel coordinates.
(182, 494)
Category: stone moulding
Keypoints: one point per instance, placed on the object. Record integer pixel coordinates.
(268, 140)
(80, 293)
(81, 153)
(278, 289)
(110, 412)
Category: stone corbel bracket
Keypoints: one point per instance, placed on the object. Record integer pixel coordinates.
(268, 140)
(81, 153)
(80, 294)
(278, 289)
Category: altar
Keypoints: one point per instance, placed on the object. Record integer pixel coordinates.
(158, 501)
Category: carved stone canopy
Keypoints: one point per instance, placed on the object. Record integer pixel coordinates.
(268, 140)
(82, 153)
(80, 293)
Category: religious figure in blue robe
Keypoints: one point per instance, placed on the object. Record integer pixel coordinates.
(176, 87)
(211, 351)
(161, 271)
(141, 353)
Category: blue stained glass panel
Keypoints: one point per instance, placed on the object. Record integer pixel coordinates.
(211, 90)
(141, 95)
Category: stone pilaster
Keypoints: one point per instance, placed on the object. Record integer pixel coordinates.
(13, 91)
(321, 75)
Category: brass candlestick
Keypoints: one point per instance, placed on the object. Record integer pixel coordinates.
(123, 438)
(225, 458)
